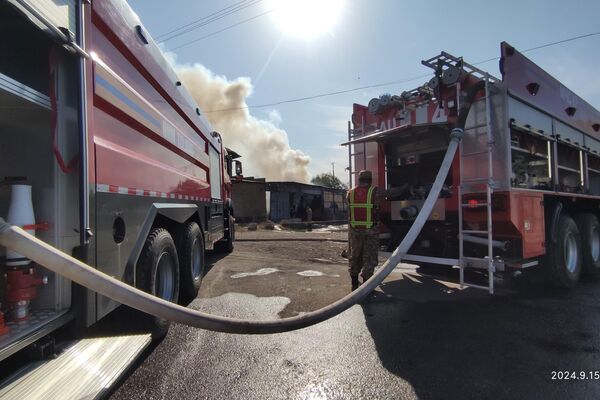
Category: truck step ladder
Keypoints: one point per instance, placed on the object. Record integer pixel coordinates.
(472, 150)
(86, 369)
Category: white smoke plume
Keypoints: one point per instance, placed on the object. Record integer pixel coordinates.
(265, 148)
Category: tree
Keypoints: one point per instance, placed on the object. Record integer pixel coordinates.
(328, 180)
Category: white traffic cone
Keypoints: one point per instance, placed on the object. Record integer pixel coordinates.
(20, 213)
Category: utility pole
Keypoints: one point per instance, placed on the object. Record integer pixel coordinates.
(333, 169)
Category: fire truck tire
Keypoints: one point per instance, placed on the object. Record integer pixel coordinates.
(228, 243)
(157, 273)
(564, 260)
(589, 229)
(190, 248)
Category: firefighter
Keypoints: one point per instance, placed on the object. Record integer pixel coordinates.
(363, 232)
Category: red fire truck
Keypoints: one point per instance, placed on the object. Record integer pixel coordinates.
(524, 188)
(104, 155)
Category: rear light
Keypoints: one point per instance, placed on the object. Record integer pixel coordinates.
(499, 202)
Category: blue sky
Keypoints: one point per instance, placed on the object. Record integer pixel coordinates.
(372, 42)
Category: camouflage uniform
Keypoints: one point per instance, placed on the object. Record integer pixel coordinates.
(364, 243)
(364, 248)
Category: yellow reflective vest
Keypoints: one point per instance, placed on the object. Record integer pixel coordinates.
(361, 205)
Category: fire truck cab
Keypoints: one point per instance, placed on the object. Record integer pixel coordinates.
(524, 187)
(104, 155)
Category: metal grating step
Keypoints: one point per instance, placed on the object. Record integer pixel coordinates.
(476, 263)
(482, 264)
(86, 369)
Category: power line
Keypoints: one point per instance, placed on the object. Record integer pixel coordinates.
(563, 41)
(199, 19)
(545, 45)
(316, 96)
(207, 20)
(224, 29)
(327, 94)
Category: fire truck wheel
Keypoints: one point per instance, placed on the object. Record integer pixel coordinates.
(190, 247)
(158, 273)
(564, 259)
(227, 244)
(589, 229)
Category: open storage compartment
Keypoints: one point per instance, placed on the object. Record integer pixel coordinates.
(32, 128)
(594, 173)
(531, 155)
(412, 161)
(569, 160)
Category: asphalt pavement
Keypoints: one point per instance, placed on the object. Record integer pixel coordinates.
(419, 336)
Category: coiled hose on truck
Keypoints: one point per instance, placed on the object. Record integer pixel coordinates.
(18, 240)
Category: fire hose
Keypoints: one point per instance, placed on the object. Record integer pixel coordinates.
(53, 259)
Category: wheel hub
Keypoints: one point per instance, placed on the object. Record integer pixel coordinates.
(196, 259)
(164, 286)
(595, 244)
(571, 256)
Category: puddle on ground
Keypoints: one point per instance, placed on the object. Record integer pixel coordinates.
(260, 272)
(267, 271)
(242, 305)
(310, 273)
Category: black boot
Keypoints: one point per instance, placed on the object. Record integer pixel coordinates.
(354, 282)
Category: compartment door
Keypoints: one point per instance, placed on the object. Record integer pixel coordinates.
(215, 174)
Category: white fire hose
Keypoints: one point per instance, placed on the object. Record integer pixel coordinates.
(16, 239)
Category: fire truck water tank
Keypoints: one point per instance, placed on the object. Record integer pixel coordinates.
(20, 213)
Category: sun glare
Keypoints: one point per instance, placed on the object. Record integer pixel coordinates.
(306, 19)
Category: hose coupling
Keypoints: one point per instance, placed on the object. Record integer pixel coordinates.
(457, 133)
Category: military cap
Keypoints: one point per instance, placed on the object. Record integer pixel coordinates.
(365, 176)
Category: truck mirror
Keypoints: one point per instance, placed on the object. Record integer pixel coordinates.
(238, 168)
(229, 166)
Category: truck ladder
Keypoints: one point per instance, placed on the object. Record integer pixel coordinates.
(353, 151)
(472, 152)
